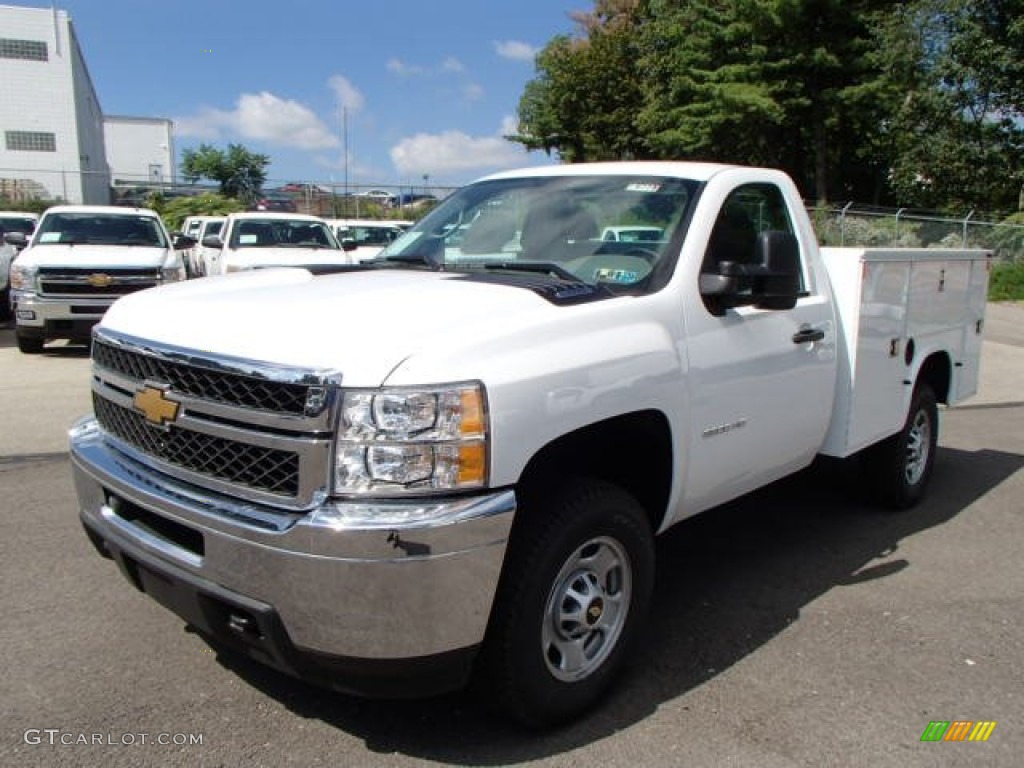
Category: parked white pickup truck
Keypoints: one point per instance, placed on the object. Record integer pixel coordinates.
(455, 459)
(80, 259)
(257, 240)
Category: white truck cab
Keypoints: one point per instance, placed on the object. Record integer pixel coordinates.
(198, 228)
(453, 460)
(79, 261)
(19, 225)
(261, 239)
(365, 238)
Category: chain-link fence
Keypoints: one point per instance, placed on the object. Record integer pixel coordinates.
(850, 224)
(856, 225)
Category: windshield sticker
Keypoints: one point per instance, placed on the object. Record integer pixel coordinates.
(639, 186)
(49, 237)
(608, 275)
(247, 239)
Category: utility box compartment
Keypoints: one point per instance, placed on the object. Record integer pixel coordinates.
(895, 307)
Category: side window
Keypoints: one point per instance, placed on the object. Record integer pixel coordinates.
(746, 213)
(737, 237)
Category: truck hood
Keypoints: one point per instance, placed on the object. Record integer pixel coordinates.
(361, 324)
(98, 256)
(250, 258)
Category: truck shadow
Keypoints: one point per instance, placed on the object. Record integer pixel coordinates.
(728, 582)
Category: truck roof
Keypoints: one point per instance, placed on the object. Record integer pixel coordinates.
(276, 215)
(684, 170)
(116, 210)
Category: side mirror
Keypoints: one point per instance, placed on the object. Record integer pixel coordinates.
(213, 241)
(771, 282)
(348, 244)
(180, 242)
(779, 285)
(17, 239)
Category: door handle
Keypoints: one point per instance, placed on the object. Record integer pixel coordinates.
(805, 335)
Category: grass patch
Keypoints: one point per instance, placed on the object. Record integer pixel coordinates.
(1006, 283)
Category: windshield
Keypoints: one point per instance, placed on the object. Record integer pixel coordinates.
(369, 235)
(282, 233)
(81, 228)
(21, 224)
(562, 224)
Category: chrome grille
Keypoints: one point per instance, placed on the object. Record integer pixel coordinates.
(264, 469)
(75, 281)
(205, 383)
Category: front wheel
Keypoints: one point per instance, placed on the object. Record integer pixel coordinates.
(29, 345)
(577, 582)
(899, 467)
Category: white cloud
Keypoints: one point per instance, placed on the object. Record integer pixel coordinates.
(451, 64)
(509, 125)
(473, 92)
(453, 152)
(402, 69)
(347, 94)
(516, 50)
(262, 116)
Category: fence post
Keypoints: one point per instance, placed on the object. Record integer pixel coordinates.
(965, 227)
(842, 224)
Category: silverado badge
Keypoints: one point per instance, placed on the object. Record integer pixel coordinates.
(156, 406)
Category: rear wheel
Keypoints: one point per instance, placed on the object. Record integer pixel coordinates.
(577, 582)
(898, 468)
(29, 345)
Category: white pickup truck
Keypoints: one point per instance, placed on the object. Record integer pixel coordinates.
(81, 259)
(454, 460)
(261, 239)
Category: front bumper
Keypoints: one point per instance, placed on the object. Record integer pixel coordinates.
(57, 318)
(393, 609)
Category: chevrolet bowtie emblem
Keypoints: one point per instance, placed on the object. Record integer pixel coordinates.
(99, 280)
(156, 406)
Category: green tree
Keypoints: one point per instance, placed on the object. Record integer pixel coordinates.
(175, 211)
(584, 102)
(241, 173)
(957, 127)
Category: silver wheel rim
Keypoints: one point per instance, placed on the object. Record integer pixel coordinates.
(586, 609)
(919, 445)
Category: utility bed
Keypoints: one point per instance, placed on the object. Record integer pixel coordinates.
(893, 305)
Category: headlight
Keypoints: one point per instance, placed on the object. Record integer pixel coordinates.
(172, 274)
(415, 440)
(23, 278)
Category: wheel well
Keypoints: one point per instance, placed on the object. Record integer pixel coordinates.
(938, 373)
(634, 451)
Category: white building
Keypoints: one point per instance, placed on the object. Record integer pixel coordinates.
(50, 115)
(140, 150)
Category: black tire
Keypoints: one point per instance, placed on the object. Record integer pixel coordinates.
(5, 303)
(576, 584)
(29, 345)
(898, 468)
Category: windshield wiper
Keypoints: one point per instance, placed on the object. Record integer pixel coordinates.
(412, 258)
(536, 267)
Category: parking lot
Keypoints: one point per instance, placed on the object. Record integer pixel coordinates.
(797, 627)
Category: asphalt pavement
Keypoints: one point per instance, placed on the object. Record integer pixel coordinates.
(796, 627)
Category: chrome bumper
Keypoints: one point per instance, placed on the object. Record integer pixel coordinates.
(367, 580)
(33, 310)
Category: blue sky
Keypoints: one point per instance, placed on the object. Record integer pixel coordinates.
(430, 86)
